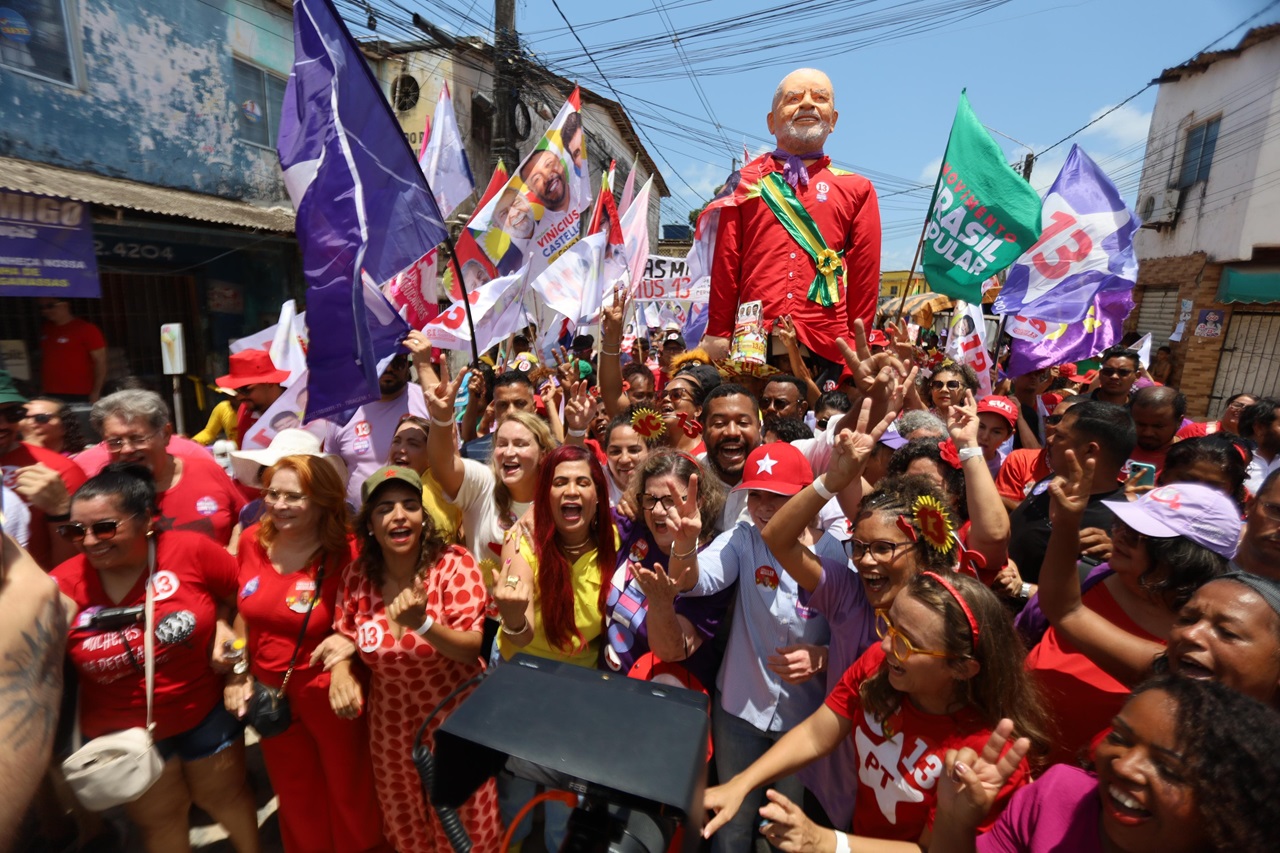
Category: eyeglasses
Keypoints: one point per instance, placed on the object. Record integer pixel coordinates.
(899, 645)
(13, 414)
(1113, 372)
(675, 394)
(882, 550)
(139, 441)
(776, 403)
(42, 418)
(1267, 510)
(1120, 530)
(272, 496)
(950, 385)
(650, 502)
(1053, 420)
(1237, 405)
(102, 530)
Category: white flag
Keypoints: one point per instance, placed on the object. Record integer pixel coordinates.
(635, 234)
(449, 330)
(1143, 346)
(629, 188)
(965, 344)
(444, 159)
(286, 341)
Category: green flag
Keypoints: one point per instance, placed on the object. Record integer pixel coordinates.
(983, 214)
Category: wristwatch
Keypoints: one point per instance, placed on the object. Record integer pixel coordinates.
(1025, 592)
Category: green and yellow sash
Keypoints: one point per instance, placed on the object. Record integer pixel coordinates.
(781, 199)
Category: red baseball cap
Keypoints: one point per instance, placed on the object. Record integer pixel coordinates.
(778, 468)
(251, 367)
(1002, 406)
(877, 338)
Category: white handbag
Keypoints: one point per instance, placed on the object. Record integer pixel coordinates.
(120, 767)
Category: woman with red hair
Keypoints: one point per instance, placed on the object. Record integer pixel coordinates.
(553, 585)
(290, 568)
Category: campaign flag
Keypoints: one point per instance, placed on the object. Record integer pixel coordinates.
(444, 158)
(629, 187)
(605, 215)
(1143, 347)
(413, 291)
(635, 235)
(575, 283)
(362, 204)
(983, 214)
(285, 413)
(966, 344)
(491, 310)
(538, 214)
(474, 263)
(1086, 247)
(733, 192)
(1038, 344)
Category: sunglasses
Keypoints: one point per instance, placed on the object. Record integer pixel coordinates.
(1053, 420)
(821, 423)
(102, 530)
(1112, 372)
(775, 403)
(43, 418)
(950, 385)
(674, 394)
(13, 414)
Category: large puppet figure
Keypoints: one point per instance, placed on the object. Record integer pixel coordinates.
(798, 236)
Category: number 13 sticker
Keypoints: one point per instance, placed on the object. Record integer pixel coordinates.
(369, 637)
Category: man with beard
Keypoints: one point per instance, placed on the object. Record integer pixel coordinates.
(799, 236)
(364, 441)
(1157, 413)
(544, 174)
(256, 381)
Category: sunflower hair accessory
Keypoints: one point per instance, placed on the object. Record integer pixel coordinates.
(930, 517)
(647, 423)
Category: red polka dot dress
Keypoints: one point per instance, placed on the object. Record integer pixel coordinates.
(409, 678)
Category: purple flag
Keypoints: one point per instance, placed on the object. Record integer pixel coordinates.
(1038, 344)
(1086, 248)
(362, 204)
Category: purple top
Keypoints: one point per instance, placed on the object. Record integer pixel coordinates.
(1059, 811)
(626, 629)
(842, 600)
(1032, 623)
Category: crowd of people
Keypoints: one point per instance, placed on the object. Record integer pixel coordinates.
(1044, 618)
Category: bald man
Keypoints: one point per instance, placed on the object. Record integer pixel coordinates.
(798, 235)
(1157, 414)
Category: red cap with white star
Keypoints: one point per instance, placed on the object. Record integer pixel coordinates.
(778, 468)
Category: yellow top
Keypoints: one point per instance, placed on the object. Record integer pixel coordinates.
(585, 578)
(444, 515)
(221, 419)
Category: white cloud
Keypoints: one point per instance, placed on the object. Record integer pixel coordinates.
(1124, 128)
(929, 174)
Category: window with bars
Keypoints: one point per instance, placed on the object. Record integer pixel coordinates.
(1198, 153)
(259, 97)
(36, 39)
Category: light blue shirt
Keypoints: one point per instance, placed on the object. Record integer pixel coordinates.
(767, 615)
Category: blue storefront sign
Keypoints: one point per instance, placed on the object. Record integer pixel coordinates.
(46, 247)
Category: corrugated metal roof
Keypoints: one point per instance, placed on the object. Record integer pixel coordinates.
(43, 179)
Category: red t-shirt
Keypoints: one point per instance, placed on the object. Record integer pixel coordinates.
(1083, 698)
(192, 575)
(898, 773)
(69, 472)
(1021, 470)
(204, 500)
(1199, 430)
(65, 364)
(273, 606)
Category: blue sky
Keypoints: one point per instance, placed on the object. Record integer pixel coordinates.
(1035, 70)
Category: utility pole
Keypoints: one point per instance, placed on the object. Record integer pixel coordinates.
(506, 81)
(1026, 166)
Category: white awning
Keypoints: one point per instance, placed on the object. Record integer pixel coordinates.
(43, 179)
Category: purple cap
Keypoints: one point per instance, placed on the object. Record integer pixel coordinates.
(1201, 513)
(893, 439)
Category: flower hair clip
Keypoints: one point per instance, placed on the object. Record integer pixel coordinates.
(647, 423)
(930, 517)
(950, 454)
(688, 425)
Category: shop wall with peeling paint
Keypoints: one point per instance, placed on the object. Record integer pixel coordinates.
(155, 98)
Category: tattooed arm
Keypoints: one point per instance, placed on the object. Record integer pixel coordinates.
(33, 636)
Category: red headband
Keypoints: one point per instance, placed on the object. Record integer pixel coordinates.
(945, 584)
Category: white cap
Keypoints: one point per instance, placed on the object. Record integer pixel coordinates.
(287, 442)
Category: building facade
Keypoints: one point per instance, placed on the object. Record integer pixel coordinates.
(162, 118)
(1209, 248)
